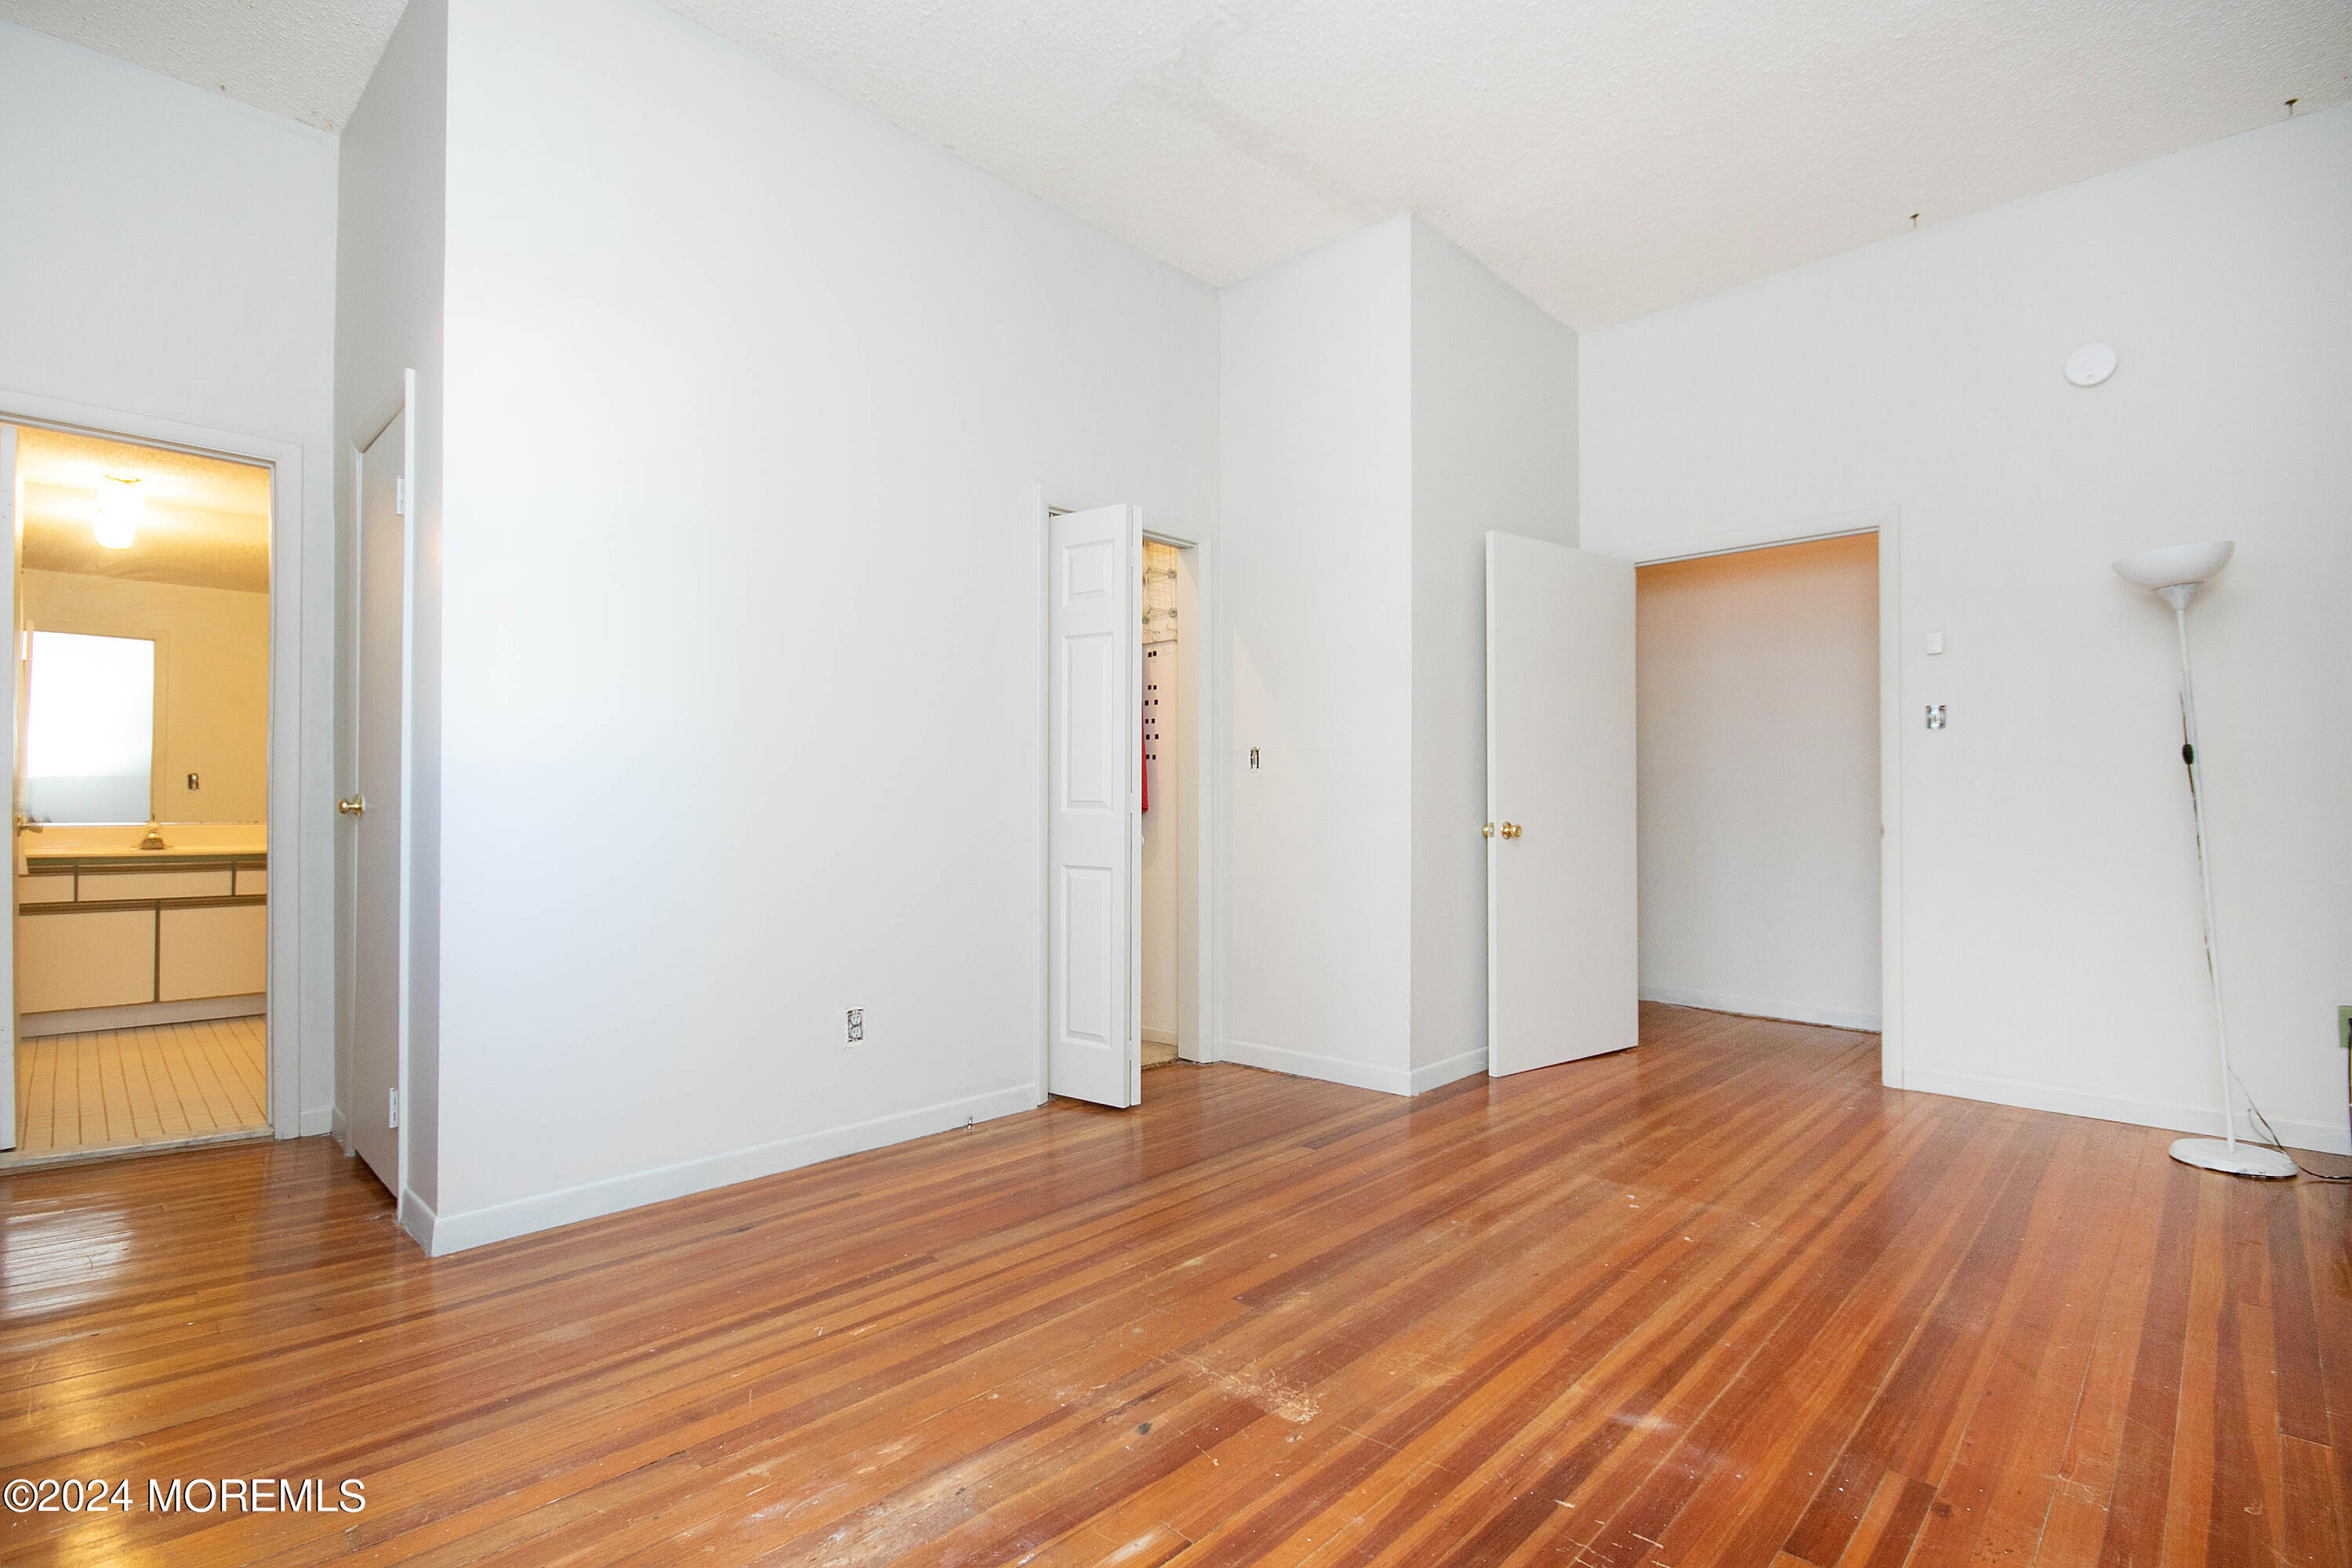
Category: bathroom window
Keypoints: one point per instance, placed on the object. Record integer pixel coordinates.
(89, 728)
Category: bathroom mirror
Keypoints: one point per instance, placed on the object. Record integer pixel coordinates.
(89, 728)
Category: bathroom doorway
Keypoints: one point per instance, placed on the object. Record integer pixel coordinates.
(1168, 875)
(140, 795)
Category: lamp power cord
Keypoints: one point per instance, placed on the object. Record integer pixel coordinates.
(2269, 1136)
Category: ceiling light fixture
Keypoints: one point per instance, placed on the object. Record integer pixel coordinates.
(119, 509)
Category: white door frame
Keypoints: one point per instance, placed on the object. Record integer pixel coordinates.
(300, 944)
(1887, 522)
(347, 728)
(1207, 775)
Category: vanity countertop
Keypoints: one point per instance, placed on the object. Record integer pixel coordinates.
(205, 841)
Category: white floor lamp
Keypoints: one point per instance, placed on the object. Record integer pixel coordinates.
(2174, 574)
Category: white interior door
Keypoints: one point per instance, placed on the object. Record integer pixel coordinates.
(12, 514)
(1094, 708)
(1562, 943)
(376, 978)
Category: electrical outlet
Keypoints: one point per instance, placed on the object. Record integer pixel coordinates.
(857, 1030)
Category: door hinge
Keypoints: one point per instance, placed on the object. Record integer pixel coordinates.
(399, 496)
(392, 1109)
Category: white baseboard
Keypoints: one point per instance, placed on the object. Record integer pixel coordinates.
(1306, 1064)
(592, 1200)
(318, 1119)
(2323, 1137)
(417, 1218)
(1159, 1036)
(139, 1015)
(341, 1129)
(1762, 1007)
(1437, 1075)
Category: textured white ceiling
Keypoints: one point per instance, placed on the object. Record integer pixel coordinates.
(306, 59)
(1610, 157)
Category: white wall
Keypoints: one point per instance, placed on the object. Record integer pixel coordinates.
(170, 257)
(2050, 890)
(1493, 447)
(1317, 415)
(213, 680)
(389, 283)
(1758, 724)
(1387, 401)
(740, 580)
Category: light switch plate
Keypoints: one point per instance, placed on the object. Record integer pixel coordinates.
(1935, 642)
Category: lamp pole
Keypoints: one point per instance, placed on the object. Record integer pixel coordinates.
(2178, 597)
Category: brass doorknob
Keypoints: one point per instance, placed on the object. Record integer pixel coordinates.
(1510, 830)
(1487, 831)
(354, 806)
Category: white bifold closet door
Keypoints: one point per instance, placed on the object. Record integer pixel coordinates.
(1562, 941)
(1094, 833)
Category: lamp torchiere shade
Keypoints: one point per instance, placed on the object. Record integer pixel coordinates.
(2176, 566)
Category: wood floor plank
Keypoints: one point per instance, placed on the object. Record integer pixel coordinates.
(2134, 1497)
(1997, 1493)
(2313, 1519)
(2086, 1478)
(2326, 1213)
(1724, 1300)
(2199, 1423)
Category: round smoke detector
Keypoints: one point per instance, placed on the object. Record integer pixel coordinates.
(2090, 364)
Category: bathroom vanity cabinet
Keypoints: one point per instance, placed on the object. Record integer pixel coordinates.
(130, 931)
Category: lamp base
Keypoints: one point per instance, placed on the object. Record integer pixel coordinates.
(2246, 1159)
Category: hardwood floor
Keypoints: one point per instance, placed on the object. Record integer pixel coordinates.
(112, 1088)
(1722, 1299)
